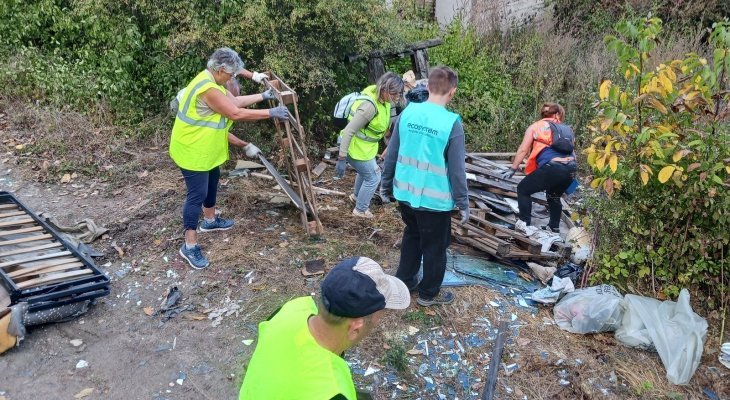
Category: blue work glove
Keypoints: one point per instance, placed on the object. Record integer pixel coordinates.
(280, 112)
(268, 95)
(508, 174)
(340, 169)
(464, 216)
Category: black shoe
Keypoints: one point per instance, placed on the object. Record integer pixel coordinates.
(551, 229)
(442, 298)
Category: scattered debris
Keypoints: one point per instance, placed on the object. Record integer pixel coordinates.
(76, 342)
(229, 308)
(590, 310)
(313, 267)
(724, 357)
(82, 364)
(551, 294)
(84, 393)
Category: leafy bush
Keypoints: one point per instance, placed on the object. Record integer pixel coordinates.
(128, 58)
(660, 153)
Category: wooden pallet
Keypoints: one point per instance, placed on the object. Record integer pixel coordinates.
(292, 141)
(30, 256)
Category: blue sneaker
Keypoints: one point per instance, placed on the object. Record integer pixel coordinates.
(218, 224)
(194, 256)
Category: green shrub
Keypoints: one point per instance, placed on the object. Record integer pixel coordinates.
(660, 154)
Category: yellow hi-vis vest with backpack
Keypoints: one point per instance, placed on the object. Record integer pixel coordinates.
(288, 363)
(365, 142)
(199, 142)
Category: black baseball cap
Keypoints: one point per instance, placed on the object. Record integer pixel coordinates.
(357, 287)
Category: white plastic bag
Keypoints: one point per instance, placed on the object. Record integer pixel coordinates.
(551, 294)
(671, 329)
(590, 310)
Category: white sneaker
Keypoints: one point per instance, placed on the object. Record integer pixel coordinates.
(521, 226)
(362, 214)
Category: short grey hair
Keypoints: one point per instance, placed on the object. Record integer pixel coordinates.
(225, 59)
(390, 82)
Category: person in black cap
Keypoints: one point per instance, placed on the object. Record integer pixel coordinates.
(299, 350)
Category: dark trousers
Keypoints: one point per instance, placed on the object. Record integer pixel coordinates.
(554, 178)
(427, 235)
(202, 190)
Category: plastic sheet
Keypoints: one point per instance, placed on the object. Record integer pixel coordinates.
(590, 310)
(671, 329)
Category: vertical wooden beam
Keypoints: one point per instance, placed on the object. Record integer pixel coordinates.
(376, 69)
(419, 62)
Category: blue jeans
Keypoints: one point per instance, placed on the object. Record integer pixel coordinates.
(366, 181)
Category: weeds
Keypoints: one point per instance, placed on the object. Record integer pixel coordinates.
(396, 356)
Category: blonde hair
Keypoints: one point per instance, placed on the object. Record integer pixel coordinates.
(389, 83)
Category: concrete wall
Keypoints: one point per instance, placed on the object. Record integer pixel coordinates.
(487, 13)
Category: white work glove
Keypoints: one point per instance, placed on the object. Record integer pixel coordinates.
(251, 150)
(259, 77)
(508, 174)
(464, 216)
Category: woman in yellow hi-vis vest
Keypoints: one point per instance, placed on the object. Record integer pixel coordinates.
(200, 138)
(369, 119)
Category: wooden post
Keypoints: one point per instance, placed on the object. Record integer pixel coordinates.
(376, 69)
(419, 62)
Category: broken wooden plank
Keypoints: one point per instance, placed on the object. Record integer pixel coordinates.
(317, 171)
(36, 258)
(31, 249)
(532, 246)
(54, 278)
(26, 272)
(26, 239)
(44, 264)
(12, 214)
(8, 206)
(17, 222)
(22, 230)
(496, 359)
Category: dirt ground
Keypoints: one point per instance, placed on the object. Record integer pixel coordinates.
(255, 267)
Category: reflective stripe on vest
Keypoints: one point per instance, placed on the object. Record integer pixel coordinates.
(422, 165)
(364, 144)
(288, 363)
(182, 114)
(199, 142)
(421, 174)
(421, 191)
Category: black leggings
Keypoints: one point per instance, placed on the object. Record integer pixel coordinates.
(554, 178)
(202, 190)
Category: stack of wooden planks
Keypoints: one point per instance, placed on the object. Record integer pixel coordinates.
(491, 226)
(37, 266)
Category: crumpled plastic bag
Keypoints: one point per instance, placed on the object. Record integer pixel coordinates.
(671, 329)
(590, 310)
(551, 294)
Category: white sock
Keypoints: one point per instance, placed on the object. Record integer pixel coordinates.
(190, 246)
(209, 219)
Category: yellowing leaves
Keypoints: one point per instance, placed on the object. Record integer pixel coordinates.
(613, 163)
(603, 89)
(656, 104)
(644, 172)
(666, 173)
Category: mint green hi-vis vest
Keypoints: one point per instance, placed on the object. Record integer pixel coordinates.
(421, 173)
(199, 143)
(365, 142)
(289, 364)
